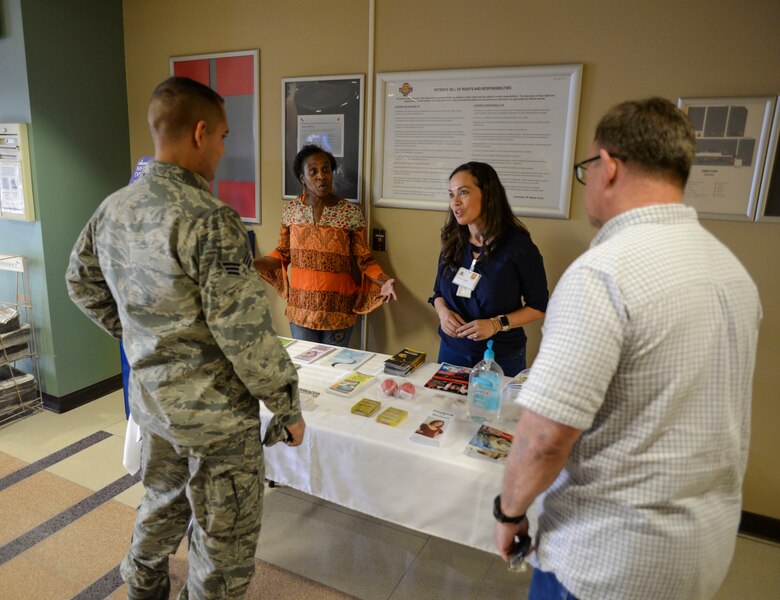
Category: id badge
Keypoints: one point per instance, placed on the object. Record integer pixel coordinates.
(463, 292)
(466, 278)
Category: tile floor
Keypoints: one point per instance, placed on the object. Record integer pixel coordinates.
(351, 552)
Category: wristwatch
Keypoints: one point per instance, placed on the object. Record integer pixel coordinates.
(504, 322)
(501, 517)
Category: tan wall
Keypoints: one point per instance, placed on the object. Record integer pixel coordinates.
(629, 49)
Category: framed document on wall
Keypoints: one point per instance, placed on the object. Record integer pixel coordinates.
(521, 120)
(235, 77)
(769, 195)
(327, 112)
(731, 143)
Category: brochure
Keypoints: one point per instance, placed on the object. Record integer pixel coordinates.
(434, 428)
(314, 353)
(347, 359)
(404, 362)
(518, 380)
(451, 378)
(489, 443)
(349, 384)
(307, 397)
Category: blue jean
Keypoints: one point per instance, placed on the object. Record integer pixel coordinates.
(334, 337)
(545, 586)
(511, 365)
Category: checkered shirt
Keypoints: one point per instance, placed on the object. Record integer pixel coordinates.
(649, 347)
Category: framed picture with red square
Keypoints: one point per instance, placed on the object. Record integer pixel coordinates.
(234, 76)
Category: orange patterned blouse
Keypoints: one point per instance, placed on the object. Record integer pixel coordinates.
(321, 292)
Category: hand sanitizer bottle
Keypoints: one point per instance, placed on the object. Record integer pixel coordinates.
(484, 400)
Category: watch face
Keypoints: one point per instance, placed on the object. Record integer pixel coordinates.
(504, 320)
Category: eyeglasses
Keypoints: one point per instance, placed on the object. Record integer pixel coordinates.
(580, 168)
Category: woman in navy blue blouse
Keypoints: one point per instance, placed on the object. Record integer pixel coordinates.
(482, 234)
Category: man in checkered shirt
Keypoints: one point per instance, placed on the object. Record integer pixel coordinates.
(634, 437)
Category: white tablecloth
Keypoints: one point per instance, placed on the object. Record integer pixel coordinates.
(376, 469)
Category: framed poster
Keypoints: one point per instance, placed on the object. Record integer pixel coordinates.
(731, 142)
(769, 195)
(235, 77)
(16, 193)
(327, 112)
(521, 120)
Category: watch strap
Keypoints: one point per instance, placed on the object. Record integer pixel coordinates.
(501, 517)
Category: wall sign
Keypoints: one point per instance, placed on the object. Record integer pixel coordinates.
(520, 120)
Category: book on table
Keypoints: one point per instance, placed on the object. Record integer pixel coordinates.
(347, 359)
(351, 383)
(404, 362)
(314, 353)
(450, 378)
(489, 443)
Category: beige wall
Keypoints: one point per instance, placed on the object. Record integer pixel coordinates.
(629, 49)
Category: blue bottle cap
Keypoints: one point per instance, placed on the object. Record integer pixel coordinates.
(489, 354)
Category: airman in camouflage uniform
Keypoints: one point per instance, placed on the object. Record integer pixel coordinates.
(166, 267)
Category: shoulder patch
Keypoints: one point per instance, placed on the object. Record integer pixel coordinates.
(240, 269)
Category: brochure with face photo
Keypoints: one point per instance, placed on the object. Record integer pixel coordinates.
(314, 353)
(433, 430)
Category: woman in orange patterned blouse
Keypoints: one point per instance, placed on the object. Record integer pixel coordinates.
(321, 235)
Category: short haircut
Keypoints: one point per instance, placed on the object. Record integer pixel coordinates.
(655, 136)
(306, 152)
(178, 103)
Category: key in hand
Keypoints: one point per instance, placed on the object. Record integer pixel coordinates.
(517, 552)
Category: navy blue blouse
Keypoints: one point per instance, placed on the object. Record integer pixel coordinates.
(512, 277)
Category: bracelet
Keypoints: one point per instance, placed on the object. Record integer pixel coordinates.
(496, 325)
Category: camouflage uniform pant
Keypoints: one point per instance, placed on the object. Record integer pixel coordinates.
(221, 486)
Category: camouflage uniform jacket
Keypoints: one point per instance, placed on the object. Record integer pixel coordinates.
(166, 267)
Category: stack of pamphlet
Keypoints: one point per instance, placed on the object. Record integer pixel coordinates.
(349, 384)
(433, 430)
(314, 353)
(490, 443)
(404, 362)
(347, 359)
(450, 378)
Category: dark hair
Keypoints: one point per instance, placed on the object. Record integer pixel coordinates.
(306, 152)
(178, 103)
(654, 134)
(496, 217)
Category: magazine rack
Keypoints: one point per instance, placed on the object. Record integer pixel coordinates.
(20, 393)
